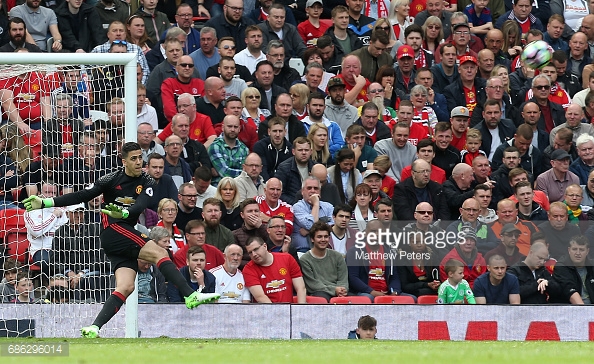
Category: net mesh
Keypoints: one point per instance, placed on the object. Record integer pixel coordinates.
(62, 128)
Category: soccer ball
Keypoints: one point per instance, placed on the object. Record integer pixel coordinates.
(537, 54)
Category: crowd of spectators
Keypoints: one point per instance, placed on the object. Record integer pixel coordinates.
(271, 185)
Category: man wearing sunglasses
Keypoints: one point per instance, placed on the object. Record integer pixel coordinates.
(469, 212)
(226, 48)
(507, 247)
(185, 82)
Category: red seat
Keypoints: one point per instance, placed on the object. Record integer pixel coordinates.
(17, 245)
(312, 299)
(427, 300)
(12, 220)
(350, 300)
(395, 300)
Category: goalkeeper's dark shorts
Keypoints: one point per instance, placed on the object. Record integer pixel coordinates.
(122, 244)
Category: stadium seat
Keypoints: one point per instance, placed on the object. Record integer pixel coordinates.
(350, 300)
(312, 300)
(14, 233)
(49, 43)
(199, 22)
(427, 300)
(395, 300)
(297, 64)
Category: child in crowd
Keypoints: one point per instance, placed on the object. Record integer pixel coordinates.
(382, 163)
(23, 288)
(479, 17)
(455, 289)
(311, 29)
(366, 329)
(11, 268)
(474, 140)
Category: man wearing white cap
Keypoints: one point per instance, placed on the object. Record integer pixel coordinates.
(459, 119)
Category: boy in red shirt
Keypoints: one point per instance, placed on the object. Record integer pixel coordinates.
(311, 29)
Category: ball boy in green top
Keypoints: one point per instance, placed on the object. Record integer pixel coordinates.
(455, 288)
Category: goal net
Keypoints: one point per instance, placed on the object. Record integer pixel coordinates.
(64, 118)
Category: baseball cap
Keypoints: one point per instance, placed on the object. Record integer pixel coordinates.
(335, 81)
(559, 154)
(311, 3)
(460, 111)
(456, 26)
(472, 59)
(371, 172)
(508, 228)
(405, 51)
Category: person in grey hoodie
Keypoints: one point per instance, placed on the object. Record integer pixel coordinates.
(337, 108)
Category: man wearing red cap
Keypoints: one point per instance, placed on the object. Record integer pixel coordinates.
(405, 73)
(468, 90)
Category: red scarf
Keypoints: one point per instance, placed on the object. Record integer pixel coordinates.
(382, 11)
(420, 60)
(397, 30)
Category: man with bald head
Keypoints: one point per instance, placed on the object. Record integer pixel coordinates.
(185, 82)
(574, 116)
(329, 191)
(588, 29)
(494, 43)
(250, 183)
(468, 219)
(578, 54)
(211, 103)
(535, 280)
(271, 205)
(423, 222)
(507, 213)
(175, 166)
(486, 62)
(419, 188)
(457, 188)
(495, 91)
(227, 153)
(531, 115)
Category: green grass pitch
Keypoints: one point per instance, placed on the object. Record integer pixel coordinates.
(170, 351)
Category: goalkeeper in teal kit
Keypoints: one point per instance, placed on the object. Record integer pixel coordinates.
(455, 289)
(126, 193)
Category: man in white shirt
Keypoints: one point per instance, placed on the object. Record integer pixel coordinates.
(230, 284)
(253, 54)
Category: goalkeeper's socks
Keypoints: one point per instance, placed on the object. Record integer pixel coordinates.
(110, 308)
(172, 275)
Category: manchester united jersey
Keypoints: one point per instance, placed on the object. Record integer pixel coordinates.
(276, 279)
(231, 287)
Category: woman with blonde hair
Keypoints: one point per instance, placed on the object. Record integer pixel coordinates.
(384, 25)
(228, 194)
(512, 39)
(432, 34)
(251, 113)
(299, 94)
(399, 18)
(15, 147)
(318, 137)
(167, 211)
(502, 72)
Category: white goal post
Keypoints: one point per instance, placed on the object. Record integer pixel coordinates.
(18, 63)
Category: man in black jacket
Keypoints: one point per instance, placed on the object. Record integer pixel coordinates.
(457, 188)
(419, 188)
(231, 23)
(535, 280)
(503, 128)
(575, 273)
(264, 75)
(530, 157)
(294, 170)
(551, 113)
(284, 76)
(80, 26)
(283, 108)
(273, 149)
(469, 90)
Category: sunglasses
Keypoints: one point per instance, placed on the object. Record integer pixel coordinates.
(543, 87)
(383, 28)
(253, 96)
(186, 65)
(424, 212)
(229, 47)
(123, 42)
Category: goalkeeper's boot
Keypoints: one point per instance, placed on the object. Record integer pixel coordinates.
(197, 298)
(90, 332)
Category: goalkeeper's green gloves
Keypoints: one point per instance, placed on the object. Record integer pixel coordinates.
(36, 203)
(115, 211)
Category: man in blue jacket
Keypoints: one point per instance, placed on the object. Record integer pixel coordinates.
(197, 277)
